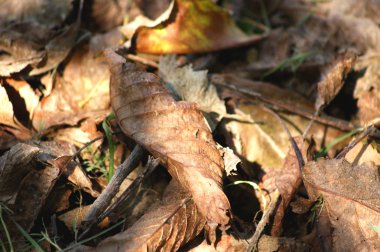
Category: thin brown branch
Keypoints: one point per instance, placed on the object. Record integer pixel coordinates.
(105, 198)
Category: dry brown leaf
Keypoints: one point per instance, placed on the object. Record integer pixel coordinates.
(33, 42)
(31, 183)
(333, 79)
(286, 181)
(351, 205)
(166, 227)
(82, 92)
(15, 164)
(175, 132)
(193, 26)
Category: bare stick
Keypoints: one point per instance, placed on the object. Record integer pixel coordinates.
(361, 136)
(105, 198)
(333, 122)
(263, 222)
(148, 169)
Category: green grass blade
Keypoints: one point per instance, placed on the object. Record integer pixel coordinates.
(111, 145)
(35, 244)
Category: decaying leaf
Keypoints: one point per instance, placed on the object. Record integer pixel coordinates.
(73, 218)
(166, 227)
(193, 26)
(14, 166)
(192, 86)
(80, 93)
(286, 181)
(33, 42)
(332, 79)
(175, 132)
(351, 196)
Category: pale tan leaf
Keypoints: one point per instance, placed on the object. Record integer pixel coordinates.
(192, 86)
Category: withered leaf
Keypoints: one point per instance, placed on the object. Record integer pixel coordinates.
(351, 205)
(192, 86)
(193, 26)
(175, 132)
(15, 164)
(31, 40)
(23, 172)
(165, 227)
(287, 180)
(333, 79)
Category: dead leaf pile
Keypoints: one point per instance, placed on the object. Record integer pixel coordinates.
(183, 125)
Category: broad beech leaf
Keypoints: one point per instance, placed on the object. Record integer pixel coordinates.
(175, 132)
(165, 227)
(193, 26)
(351, 196)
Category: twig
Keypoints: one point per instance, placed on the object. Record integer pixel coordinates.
(327, 120)
(148, 169)
(105, 198)
(263, 222)
(361, 136)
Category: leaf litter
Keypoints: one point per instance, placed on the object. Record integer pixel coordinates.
(252, 75)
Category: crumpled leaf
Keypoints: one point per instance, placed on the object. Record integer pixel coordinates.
(33, 41)
(192, 27)
(192, 86)
(175, 132)
(166, 226)
(351, 196)
(32, 183)
(286, 181)
(19, 156)
(332, 79)
(81, 92)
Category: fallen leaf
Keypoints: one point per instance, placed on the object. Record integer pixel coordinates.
(20, 156)
(167, 226)
(351, 196)
(192, 27)
(81, 92)
(175, 132)
(31, 183)
(286, 181)
(73, 218)
(333, 79)
(192, 86)
(32, 42)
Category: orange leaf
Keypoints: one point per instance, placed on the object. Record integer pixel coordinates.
(192, 27)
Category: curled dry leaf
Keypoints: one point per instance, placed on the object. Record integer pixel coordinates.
(15, 164)
(351, 203)
(286, 181)
(27, 183)
(193, 26)
(30, 41)
(165, 227)
(332, 79)
(175, 132)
